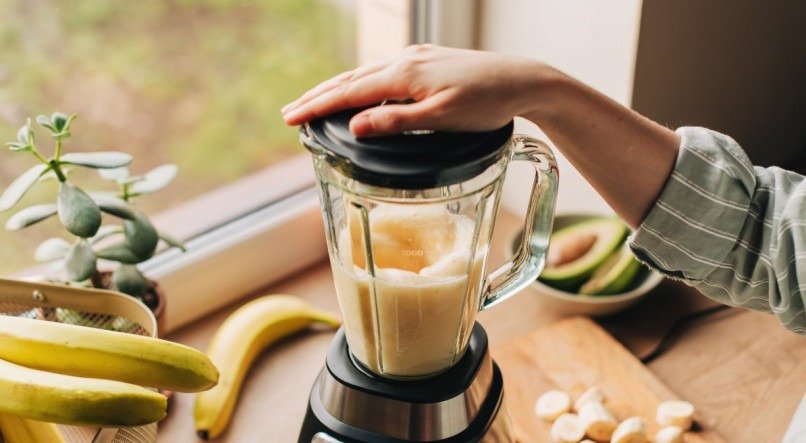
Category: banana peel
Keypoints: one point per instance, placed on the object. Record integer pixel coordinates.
(238, 341)
(96, 353)
(15, 429)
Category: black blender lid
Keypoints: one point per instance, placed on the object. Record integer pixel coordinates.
(412, 160)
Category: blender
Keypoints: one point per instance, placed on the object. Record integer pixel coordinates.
(408, 221)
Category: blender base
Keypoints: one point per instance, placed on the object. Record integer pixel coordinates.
(463, 404)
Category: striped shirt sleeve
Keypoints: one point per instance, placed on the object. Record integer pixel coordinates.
(734, 231)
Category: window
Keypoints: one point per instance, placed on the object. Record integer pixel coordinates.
(199, 84)
(196, 83)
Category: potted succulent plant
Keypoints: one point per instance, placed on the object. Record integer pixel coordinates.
(131, 240)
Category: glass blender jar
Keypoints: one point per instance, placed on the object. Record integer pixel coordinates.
(408, 221)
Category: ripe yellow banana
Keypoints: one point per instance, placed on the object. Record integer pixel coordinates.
(236, 344)
(65, 399)
(16, 429)
(96, 353)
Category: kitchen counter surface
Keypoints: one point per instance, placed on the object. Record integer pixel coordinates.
(742, 369)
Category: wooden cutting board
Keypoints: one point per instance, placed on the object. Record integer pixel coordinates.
(573, 355)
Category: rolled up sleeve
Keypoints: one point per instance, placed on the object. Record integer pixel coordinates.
(734, 231)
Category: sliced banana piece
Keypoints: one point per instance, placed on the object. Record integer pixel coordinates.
(631, 430)
(592, 394)
(675, 413)
(567, 428)
(552, 404)
(669, 434)
(599, 422)
(587, 441)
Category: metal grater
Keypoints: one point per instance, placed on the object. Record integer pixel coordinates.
(86, 307)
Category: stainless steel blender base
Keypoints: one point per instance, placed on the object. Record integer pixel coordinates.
(459, 405)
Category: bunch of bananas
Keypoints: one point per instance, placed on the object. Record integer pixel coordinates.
(74, 375)
(236, 344)
(59, 373)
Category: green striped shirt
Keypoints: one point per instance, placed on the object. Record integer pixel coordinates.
(734, 231)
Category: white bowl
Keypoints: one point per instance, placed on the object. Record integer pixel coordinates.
(594, 306)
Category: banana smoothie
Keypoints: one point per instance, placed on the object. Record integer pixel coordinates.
(413, 317)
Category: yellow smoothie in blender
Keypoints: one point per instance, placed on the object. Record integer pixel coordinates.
(412, 318)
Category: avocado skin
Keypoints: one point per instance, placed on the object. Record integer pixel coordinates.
(616, 281)
(568, 285)
(572, 281)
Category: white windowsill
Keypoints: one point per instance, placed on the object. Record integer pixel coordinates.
(239, 258)
(240, 237)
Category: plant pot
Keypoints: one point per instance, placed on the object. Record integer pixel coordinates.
(154, 298)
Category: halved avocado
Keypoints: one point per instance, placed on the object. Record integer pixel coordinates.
(615, 274)
(576, 251)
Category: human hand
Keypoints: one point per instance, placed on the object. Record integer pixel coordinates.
(450, 89)
(464, 90)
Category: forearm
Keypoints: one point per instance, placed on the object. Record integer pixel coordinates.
(624, 155)
(732, 230)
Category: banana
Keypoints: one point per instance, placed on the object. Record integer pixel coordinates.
(592, 394)
(65, 399)
(675, 413)
(552, 404)
(631, 430)
(598, 421)
(568, 428)
(95, 353)
(236, 344)
(16, 429)
(669, 434)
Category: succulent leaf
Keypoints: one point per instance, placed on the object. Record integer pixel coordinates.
(29, 216)
(114, 174)
(17, 147)
(100, 160)
(106, 231)
(113, 205)
(45, 121)
(70, 121)
(129, 280)
(20, 186)
(77, 211)
(173, 242)
(155, 180)
(22, 135)
(80, 261)
(130, 179)
(119, 252)
(141, 236)
(51, 249)
(25, 135)
(59, 120)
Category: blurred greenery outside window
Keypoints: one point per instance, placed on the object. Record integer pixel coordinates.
(198, 83)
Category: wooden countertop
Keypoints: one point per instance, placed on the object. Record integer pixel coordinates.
(742, 369)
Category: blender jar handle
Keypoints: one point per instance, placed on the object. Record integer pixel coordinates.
(523, 269)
